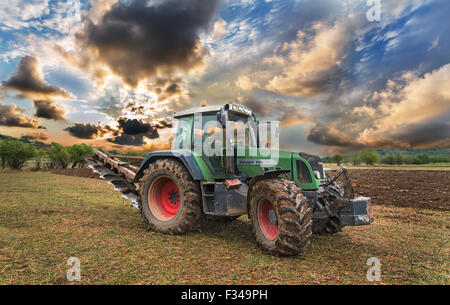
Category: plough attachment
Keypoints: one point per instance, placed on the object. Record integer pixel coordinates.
(115, 172)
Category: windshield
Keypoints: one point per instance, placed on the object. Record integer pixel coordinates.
(243, 128)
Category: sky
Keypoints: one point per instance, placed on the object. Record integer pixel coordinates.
(340, 75)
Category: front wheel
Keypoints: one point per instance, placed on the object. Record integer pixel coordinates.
(332, 224)
(169, 198)
(281, 217)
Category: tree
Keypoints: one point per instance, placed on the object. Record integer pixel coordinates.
(16, 153)
(356, 161)
(338, 159)
(59, 156)
(399, 159)
(77, 152)
(389, 159)
(40, 155)
(327, 160)
(3, 152)
(368, 156)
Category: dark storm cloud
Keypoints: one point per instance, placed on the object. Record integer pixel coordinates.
(135, 126)
(129, 131)
(87, 131)
(133, 131)
(330, 136)
(13, 116)
(132, 140)
(49, 110)
(29, 82)
(137, 40)
(426, 134)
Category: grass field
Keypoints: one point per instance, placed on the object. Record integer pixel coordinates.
(47, 218)
(427, 167)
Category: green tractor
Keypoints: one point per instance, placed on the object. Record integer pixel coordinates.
(287, 195)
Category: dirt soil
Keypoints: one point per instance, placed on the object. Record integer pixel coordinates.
(404, 188)
(77, 172)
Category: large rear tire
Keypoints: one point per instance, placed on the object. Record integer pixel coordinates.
(170, 200)
(281, 217)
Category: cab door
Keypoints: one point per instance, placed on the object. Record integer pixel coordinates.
(214, 159)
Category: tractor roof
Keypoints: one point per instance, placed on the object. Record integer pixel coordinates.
(232, 107)
(196, 110)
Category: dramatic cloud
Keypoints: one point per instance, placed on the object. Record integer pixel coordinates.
(287, 113)
(411, 106)
(133, 132)
(330, 136)
(167, 87)
(30, 83)
(36, 136)
(15, 15)
(312, 66)
(87, 131)
(12, 116)
(140, 40)
(49, 110)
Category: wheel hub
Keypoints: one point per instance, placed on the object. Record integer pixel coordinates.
(267, 218)
(164, 198)
(273, 217)
(173, 197)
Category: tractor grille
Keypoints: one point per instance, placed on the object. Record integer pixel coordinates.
(304, 175)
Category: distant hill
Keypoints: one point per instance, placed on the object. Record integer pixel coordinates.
(37, 144)
(413, 152)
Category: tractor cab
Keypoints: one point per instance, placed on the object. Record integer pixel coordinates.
(228, 139)
(231, 144)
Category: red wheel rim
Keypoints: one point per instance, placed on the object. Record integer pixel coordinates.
(164, 198)
(267, 219)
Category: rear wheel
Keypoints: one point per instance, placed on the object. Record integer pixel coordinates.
(170, 199)
(281, 217)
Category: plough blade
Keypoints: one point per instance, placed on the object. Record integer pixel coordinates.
(118, 180)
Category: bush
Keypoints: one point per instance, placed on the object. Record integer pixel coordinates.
(389, 159)
(40, 155)
(59, 156)
(356, 161)
(338, 159)
(399, 159)
(16, 153)
(421, 159)
(77, 152)
(368, 156)
(327, 160)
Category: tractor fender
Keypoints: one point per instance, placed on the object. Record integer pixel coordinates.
(271, 174)
(183, 156)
